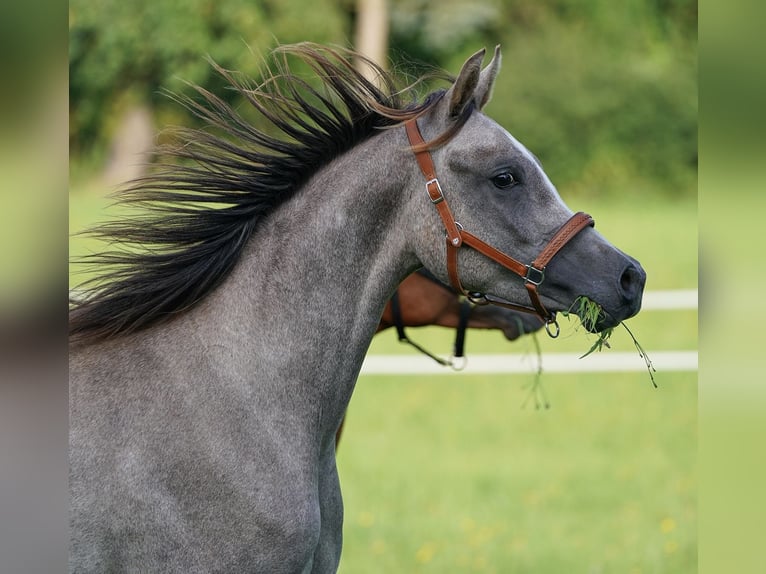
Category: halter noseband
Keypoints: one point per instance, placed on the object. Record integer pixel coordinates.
(533, 274)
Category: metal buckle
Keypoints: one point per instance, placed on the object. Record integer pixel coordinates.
(440, 198)
(534, 279)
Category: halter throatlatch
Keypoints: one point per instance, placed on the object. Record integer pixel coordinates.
(532, 274)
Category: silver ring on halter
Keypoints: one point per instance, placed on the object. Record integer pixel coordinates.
(458, 365)
(548, 323)
(457, 224)
(477, 298)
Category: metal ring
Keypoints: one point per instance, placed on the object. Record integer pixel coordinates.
(552, 334)
(477, 298)
(459, 228)
(458, 366)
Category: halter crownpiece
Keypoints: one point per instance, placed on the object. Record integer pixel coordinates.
(532, 274)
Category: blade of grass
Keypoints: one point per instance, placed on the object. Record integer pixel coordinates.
(589, 312)
(535, 388)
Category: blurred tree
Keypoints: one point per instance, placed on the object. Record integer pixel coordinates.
(123, 53)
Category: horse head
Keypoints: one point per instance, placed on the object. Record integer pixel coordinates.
(499, 196)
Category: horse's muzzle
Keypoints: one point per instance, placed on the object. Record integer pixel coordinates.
(630, 287)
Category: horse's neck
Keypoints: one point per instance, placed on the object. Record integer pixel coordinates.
(311, 285)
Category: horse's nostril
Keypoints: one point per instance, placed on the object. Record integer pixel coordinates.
(626, 281)
(630, 281)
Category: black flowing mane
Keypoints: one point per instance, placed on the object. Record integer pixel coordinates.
(198, 211)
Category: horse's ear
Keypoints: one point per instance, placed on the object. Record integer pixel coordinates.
(487, 79)
(462, 91)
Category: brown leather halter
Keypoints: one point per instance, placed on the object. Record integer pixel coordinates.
(533, 274)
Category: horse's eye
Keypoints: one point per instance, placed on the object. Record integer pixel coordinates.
(503, 180)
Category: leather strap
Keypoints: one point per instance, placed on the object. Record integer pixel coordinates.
(396, 313)
(576, 223)
(495, 254)
(458, 351)
(432, 185)
(533, 274)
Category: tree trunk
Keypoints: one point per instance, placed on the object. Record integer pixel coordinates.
(130, 146)
(372, 33)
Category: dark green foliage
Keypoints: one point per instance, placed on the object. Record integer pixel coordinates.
(126, 52)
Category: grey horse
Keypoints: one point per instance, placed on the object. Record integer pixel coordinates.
(212, 363)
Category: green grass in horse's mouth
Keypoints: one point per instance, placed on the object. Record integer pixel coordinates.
(589, 312)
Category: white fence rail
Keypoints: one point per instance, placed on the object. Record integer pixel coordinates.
(606, 361)
(676, 300)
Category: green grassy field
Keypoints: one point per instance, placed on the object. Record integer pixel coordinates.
(451, 474)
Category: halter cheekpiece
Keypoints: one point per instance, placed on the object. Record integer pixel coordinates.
(532, 274)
